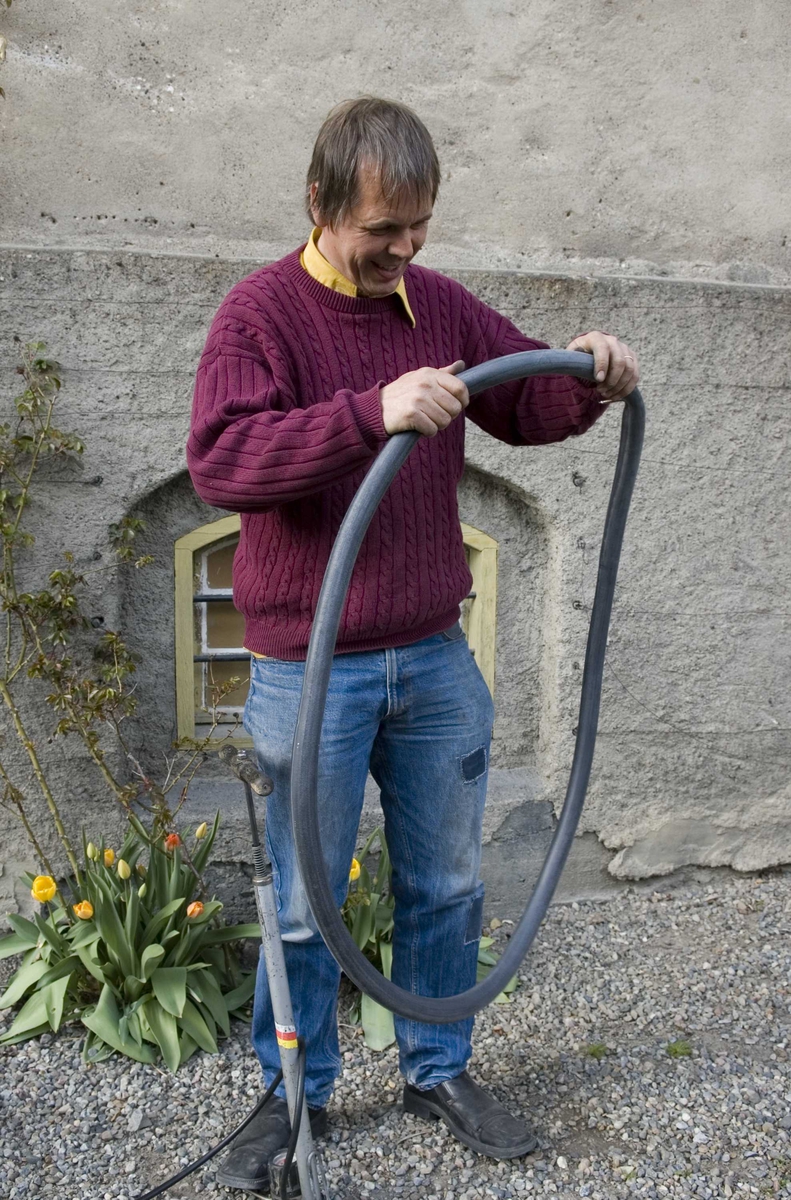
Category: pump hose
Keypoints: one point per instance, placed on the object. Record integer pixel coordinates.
(305, 760)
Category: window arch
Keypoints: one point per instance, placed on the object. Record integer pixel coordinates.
(210, 632)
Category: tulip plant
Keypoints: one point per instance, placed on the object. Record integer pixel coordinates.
(368, 915)
(142, 963)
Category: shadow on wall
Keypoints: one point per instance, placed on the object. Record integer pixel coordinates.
(147, 610)
(524, 634)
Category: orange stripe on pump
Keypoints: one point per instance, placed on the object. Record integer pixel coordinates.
(286, 1036)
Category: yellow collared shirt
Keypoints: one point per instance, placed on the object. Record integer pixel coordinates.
(316, 265)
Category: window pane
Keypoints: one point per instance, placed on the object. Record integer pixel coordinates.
(224, 626)
(208, 677)
(218, 565)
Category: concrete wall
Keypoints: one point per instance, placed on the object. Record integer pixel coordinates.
(624, 136)
(638, 155)
(695, 743)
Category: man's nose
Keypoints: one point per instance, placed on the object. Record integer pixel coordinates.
(401, 245)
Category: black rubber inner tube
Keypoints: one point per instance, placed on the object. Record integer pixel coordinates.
(305, 761)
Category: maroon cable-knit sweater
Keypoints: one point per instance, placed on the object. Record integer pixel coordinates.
(287, 418)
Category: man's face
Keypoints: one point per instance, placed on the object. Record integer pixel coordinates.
(377, 239)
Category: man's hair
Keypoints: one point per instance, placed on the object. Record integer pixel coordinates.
(382, 135)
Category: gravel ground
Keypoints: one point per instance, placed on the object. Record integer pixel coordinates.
(704, 969)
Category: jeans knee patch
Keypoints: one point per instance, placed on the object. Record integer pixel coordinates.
(475, 920)
(473, 765)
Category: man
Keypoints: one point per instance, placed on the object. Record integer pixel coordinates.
(310, 365)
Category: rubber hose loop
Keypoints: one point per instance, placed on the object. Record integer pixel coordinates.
(305, 759)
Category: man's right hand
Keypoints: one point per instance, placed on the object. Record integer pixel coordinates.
(426, 400)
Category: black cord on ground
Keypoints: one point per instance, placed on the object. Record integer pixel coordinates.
(169, 1183)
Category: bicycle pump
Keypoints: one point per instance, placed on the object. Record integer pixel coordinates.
(301, 1150)
(297, 1171)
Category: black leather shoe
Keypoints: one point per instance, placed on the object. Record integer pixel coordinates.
(473, 1116)
(246, 1164)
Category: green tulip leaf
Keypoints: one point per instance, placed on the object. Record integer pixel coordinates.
(24, 929)
(204, 988)
(377, 1023)
(241, 994)
(16, 943)
(150, 959)
(230, 933)
(104, 1021)
(170, 988)
(24, 978)
(194, 1025)
(163, 1026)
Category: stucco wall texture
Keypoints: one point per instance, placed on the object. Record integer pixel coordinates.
(622, 164)
(631, 136)
(692, 764)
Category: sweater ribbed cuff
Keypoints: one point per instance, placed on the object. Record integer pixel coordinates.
(367, 410)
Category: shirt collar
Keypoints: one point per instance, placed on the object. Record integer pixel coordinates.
(317, 266)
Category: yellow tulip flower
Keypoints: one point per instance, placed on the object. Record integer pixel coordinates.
(123, 869)
(109, 857)
(83, 910)
(354, 871)
(201, 831)
(44, 888)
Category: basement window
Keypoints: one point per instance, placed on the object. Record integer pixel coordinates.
(210, 632)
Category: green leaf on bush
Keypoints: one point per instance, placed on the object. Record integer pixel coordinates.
(377, 1024)
(193, 1024)
(11, 1039)
(84, 934)
(64, 967)
(54, 995)
(104, 1022)
(170, 988)
(160, 920)
(25, 929)
(52, 936)
(241, 994)
(16, 944)
(91, 962)
(230, 933)
(31, 1016)
(111, 928)
(188, 1048)
(150, 959)
(24, 978)
(94, 1049)
(43, 1006)
(163, 1026)
(204, 987)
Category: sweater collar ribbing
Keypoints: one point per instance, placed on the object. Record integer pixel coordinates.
(328, 298)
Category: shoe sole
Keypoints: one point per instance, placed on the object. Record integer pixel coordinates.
(261, 1183)
(430, 1110)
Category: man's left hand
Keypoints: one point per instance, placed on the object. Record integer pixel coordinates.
(616, 369)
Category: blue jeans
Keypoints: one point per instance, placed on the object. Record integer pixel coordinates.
(419, 718)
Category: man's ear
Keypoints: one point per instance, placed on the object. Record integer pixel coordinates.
(315, 211)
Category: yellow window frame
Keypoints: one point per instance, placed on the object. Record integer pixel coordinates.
(480, 623)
